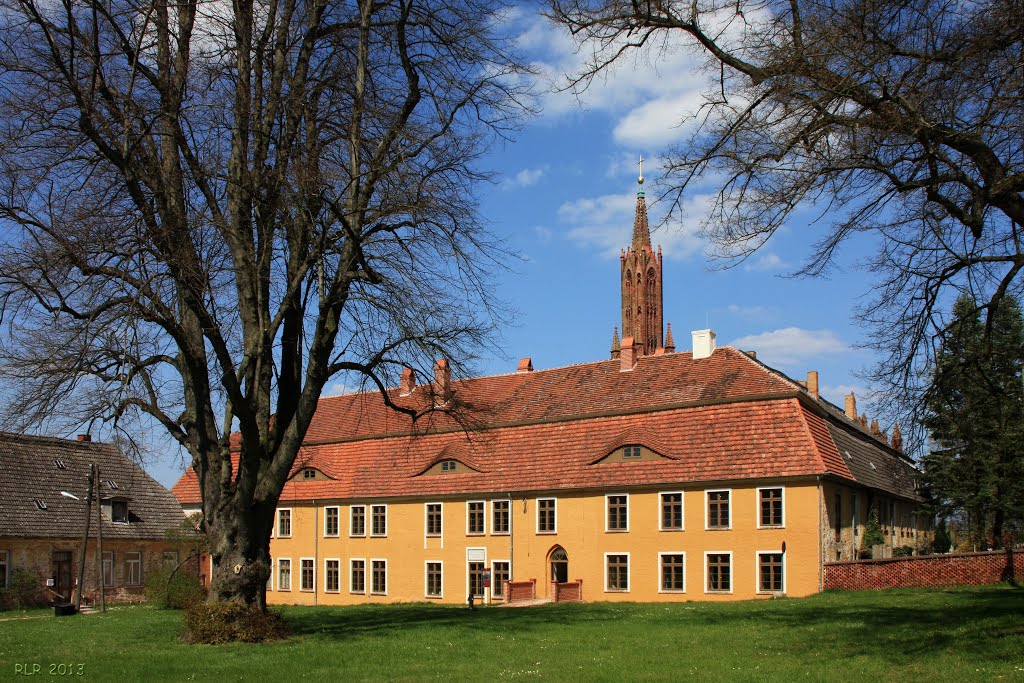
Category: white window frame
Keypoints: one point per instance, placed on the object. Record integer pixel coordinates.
(682, 511)
(369, 520)
(277, 522)
(757, 571)
(366, 520)
(483, 512)
(509, 511)
(686, 567)
(387, 583)
(5, 560)
(326, 574)
(491, 564)
(732, 571)
(426, 519)
(707, 510)
(128, 562)
(103, 567)
(607, 502)
(312, 563)
(366, 569)
(336, 508)
(537, 517)
(277, 575)
(758, 504)
(629, 574)
(426, 580)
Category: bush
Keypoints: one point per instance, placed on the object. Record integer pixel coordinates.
(214, 623)
(903, 551)
(179, 591)
(873, 531)
(22, 591)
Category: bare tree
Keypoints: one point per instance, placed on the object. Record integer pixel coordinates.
(900, 119)
(210, 209)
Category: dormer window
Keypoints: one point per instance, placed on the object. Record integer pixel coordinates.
(630, 451)
(309, 473)
(448, 466)
(119, 511)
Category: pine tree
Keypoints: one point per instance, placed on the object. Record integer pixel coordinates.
(975, 415)
(873, 531)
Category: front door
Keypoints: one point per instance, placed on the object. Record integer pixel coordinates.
(559, 566)
(62, 573)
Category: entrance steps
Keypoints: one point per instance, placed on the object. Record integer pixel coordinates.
(527, 603)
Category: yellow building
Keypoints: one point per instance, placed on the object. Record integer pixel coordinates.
(651, 476)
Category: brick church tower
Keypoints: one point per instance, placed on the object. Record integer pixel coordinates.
(641, 287)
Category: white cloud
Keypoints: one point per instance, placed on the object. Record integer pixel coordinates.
(791, 346)
(606, 222)
(662, 120)
(765, 262)
(837, 395)
(750, 312)
(543, 234)
(626, 165)
(526, 177)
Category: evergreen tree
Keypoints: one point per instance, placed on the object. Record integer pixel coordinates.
(974, 412)
(873, 531)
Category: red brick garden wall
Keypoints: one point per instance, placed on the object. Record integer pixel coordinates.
(521, 590)
(966, 569)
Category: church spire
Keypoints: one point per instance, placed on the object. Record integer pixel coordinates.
(670, 343)
(641, 283)
(616, 346)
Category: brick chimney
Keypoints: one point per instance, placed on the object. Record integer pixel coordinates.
(812, 383)
(703, 343)
(442, 381)
(85, 438)
(851, 406)
(407, 383)
(525, 365)
(752, 354)
(627, 355)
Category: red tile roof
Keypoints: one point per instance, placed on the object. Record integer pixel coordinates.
(726, 417)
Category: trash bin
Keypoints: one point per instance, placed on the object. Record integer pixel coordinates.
(64, 609)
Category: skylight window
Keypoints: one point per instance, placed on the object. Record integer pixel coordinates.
(59, 464)
(40, 504)
(111, 484)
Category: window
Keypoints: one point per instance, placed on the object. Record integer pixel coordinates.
(672, 511)
(284, 574)
(546, 516)
(433, 519)
(379, 520)
(475, 518)
(358, 576)
(379, 577)
(837, 513)
(170, 559)
(617, 518)
(331, 520)
(617, 572)
(357, 520)
(5, 567)
(718, 509)
(770, 576)
(499, 516)
(770, 504)
(476, 579)
(332, 576)
(133, 569)
(119, 511)
(309, 473)
(108, 568)
(673, 572)
(500, 573)
(307, 574)
(719, 572)
(448, 465)
(433, 587)
(630, 451)
(270, 577)
(284, 523)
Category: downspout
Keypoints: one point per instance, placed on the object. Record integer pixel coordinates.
(316, 552)
(511, 546)
(821, 537)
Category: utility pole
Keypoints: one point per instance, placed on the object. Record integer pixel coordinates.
(99, 544)
(85, 537)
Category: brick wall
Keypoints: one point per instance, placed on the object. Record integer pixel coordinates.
(965, 569)
(521, 590)
(567, 592)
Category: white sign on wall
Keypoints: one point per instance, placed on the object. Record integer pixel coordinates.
(476, 554)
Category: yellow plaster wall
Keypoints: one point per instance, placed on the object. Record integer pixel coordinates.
(580, 531)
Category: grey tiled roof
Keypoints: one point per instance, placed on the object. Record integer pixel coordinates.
(872, 465)
(29, 472)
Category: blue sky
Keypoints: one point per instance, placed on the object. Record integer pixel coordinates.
(565, 198)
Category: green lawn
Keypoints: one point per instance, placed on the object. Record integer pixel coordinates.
(904, 635)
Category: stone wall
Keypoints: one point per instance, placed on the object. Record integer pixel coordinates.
(964, 569)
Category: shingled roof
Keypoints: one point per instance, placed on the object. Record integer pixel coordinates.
(38, 468)
(721, 418)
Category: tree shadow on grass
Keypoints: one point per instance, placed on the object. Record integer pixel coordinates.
(889, 625)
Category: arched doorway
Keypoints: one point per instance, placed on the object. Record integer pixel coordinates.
(559, 563)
